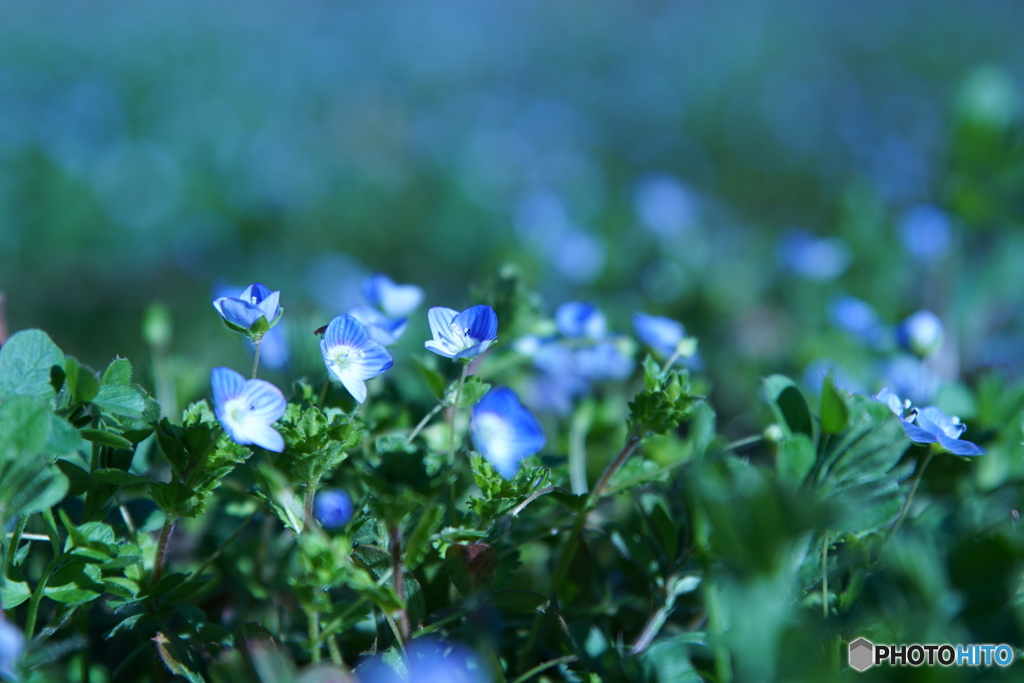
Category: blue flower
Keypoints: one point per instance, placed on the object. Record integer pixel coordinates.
(665, 336)
(461, 335)
(254, 312)
(505, 431)
(920, 333)
(896, 405)
(381, 329)
(351, 356)
(396, 301)
(926, 232)
(812, 257)
(934, 426)
(12, 644)
(428, 661)
(578, 319)
(853, 315)
(246, 409)
(333, 508)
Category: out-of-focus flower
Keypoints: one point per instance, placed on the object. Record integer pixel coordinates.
(580, 319)
(274, 351)
(12, 644)
(246, 409)
(664, 205)
(897, 405)
(333, 508)
(666, 337)
(606, 360)
(505, 431)
(351, 356)
(461, 335)
(395, 301)
(254, 312)
(920, 333)
(817, 370)
(382, 329)
(813, 257)
(910, 377)
(926, 232)
(853, 315)
(934, 426)
(428, 661)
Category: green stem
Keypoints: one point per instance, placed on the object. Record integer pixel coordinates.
(544, 667)
(323, 392)
(37, 597)
(314, 636)
(332, 647)
(619, 461)
(399, 578)
(913, 490)
(740, 443)
(256, 359)
(51, 531)
(216, 553)
(824, 576)
(308, 499)
(12, 543)
(455, 408)
(162, 545)
(423, 423)
(578, 429)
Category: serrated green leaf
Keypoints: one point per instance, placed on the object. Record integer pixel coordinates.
(473, 389)
(81, 381)
(795, 459)
(120, 400)
(174, 498)
(118, 372)
(835, 411)
(25, 362)
(526, 602)
(105, 438)
(472, 568)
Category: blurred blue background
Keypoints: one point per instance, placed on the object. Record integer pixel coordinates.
(742, 167)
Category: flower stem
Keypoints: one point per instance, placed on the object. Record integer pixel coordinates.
(161, 548)
(455, 409)
(314, 636)
(307, 500)
(614, 467)
(256, 359)
(323, 392)
(423, 423)
(824, 576)
(913, 490)
(399, 578)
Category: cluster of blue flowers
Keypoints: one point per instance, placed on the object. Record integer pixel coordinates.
(353, 350)
(929, 425)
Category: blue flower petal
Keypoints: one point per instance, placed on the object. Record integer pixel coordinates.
(439, 348)
(227, 384)
(379, 327)
(504, 431)
(479, 322)
(440, 320)
(890, 399)
(264, 400)
(473, 350)
(238, 312)
(959, 446)
(333, 508)
(918, 435)
(942, 422)
(661, 334)
(351, 356)
(257, 291)
(396, 301)
(246, 409)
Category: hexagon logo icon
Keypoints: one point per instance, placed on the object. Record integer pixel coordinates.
(862, 654)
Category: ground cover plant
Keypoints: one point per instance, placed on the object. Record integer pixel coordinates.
(348, 530)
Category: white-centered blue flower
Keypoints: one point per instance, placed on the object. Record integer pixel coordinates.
(580, 319)
(243, 314)
(934, 426)
(351, 356)
(381, 329)
(461, 335)
(505, 431)
(395, 301)
(246, 409)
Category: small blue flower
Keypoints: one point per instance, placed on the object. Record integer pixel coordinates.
(664, 205)
(505, 431)
(246, 409)
(382, 329)
(605, 360)
(578, 319)
(926, 232)
(812, 257)
(911, 377)
(333, 508)
(255, 304)
(934, 426)
(663, 335)
(920, 333)
(351, 356)
(428, 661)
(396, 301)
(461, 335)
(12, 644)
(853, 315)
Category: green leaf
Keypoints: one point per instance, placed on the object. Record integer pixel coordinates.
(665, 529)
(25, 362)
(75, 583)
(120, 400)
(795, 459)
(174, 498)
(788, 404)
(472, 568)
(667, 660)
(180, 659)
(118, 372)
(82, 382)
(115, 477)
(519, 601)
(662, 408)
(473, 389)
(105, 438)
(13, 593)
(433, 379)
(418, 544)
(835, 411)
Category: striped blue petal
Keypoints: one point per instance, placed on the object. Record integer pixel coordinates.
(505, 431)
(351, 356)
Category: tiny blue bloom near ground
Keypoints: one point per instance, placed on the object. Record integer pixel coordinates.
(351, 356)
(505, 431)
(461, 335)
(246, 409)
(428, 661)
(256, 302)
(579, 319)
(332, 508)
(395, 301)
(920, 333)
